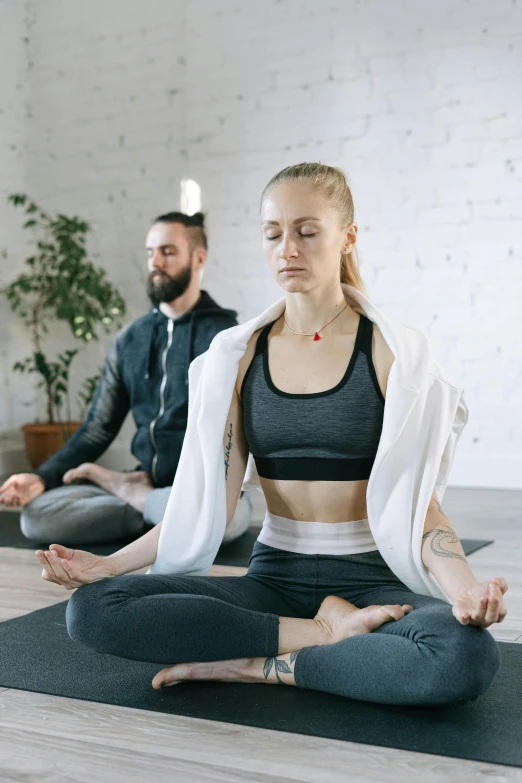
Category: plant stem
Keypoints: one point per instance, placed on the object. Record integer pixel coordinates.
(35, 327)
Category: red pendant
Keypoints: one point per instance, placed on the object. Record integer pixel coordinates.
(316, 337)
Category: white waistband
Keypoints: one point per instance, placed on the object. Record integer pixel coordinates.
(317, 538)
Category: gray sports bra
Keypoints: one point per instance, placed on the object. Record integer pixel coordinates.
(331, 435)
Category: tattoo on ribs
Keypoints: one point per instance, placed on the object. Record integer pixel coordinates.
(440, 536)
(279, 666)
(227, 452)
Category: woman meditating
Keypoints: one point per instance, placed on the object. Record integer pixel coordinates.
(320, 607)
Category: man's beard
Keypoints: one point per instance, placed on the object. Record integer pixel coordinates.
(168, 288)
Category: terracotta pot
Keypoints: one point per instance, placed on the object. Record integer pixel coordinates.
(42, 440)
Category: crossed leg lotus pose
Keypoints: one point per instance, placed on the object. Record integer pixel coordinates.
(319, 607)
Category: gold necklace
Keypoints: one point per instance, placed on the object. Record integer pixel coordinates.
(316, 334)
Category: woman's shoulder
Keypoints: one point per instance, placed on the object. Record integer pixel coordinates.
(246, 359)
(381, 346)
(382, 357)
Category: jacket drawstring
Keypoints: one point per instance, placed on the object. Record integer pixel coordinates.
(148, 364)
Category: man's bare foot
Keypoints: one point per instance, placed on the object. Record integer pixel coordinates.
(133, 488)
(340, 619)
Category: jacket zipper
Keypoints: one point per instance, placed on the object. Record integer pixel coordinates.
(170, 327)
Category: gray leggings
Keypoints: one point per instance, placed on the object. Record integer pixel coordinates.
(425, 658)
(83, 514)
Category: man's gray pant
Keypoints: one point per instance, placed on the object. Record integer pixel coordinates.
(78, 514)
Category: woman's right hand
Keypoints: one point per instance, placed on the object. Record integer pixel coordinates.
(73, 568)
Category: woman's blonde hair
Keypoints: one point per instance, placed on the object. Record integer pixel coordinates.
(332, 183)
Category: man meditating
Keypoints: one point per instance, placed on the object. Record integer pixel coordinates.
(69, 498)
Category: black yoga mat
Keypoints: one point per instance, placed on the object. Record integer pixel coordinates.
(38, 655)
(236, 553)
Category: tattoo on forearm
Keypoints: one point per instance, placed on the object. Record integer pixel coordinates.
(228, 449)
(279, 665)
(440, 536)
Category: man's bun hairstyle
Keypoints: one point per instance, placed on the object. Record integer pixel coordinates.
(195, 222)
(198, 219)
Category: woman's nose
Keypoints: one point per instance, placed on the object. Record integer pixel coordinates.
(288, 247)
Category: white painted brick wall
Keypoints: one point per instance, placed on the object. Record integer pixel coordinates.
(17, 397)
(418, 103)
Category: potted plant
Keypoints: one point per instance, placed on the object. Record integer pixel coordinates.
(59, 283)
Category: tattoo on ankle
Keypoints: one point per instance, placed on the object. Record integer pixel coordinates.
(279, 665)
(440, 536)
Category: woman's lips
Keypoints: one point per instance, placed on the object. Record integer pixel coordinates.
(291, 271)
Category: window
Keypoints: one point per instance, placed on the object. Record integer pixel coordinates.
(190, 196)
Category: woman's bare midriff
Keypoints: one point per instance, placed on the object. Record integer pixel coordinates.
(295, 368)
(316, 501)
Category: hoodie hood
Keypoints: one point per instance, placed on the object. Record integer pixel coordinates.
(205, 306)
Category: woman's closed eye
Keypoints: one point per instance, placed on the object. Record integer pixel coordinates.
(299, 233)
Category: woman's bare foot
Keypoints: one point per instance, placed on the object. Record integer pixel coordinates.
(233, 670)
(336, 619)
(339, 619)
(133, 488)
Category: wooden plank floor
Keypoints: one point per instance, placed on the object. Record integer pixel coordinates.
(49, 738)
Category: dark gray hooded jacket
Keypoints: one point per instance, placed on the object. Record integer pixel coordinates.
(145, 372)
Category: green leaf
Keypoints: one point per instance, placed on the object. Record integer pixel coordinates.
(18, 199)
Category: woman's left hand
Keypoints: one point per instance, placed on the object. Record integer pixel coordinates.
(483, 604)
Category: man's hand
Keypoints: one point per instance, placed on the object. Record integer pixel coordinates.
(20, 489)
(483, 604)
(73, 567)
